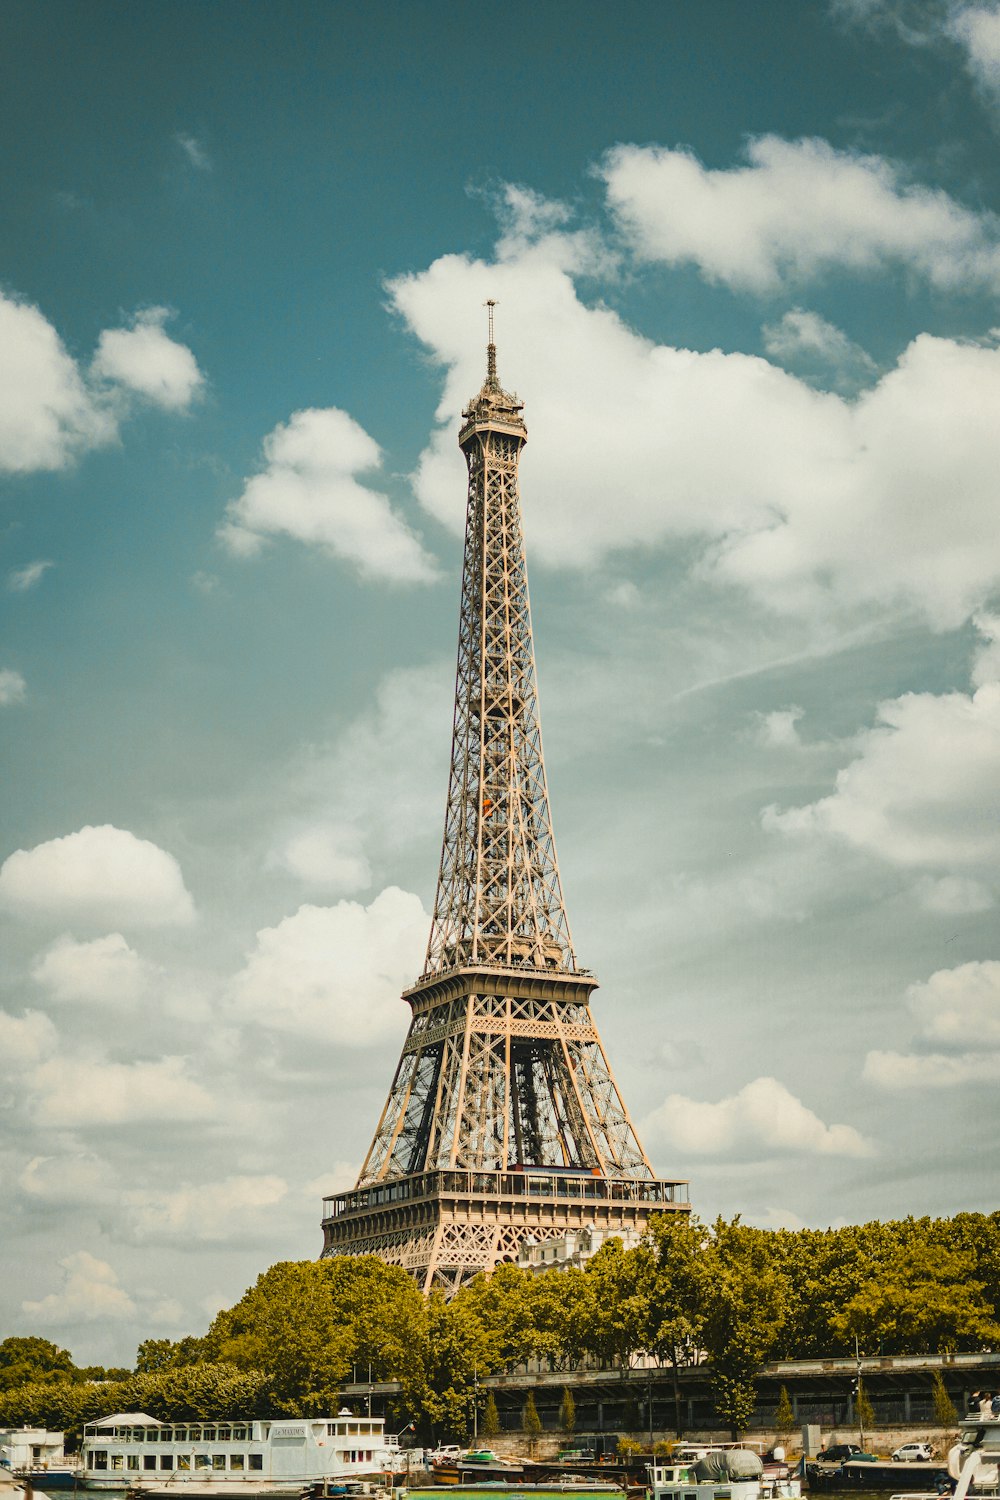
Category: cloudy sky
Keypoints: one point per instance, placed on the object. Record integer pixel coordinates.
(747, 260)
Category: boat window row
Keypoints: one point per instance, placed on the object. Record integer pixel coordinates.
(353, 1429)
(125, 1462)
(226, 1433)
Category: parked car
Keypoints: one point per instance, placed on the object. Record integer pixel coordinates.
(838, 1453)
(841, 1453)
(913, 1453)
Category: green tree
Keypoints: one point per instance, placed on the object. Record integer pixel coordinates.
(444, 1373)
(567, 1411)
(27, 1359)
(863, 1409)
(675, 1269)
(784, 1416)
(945, 1414)
(924, 1298)
(616, 1307)
(503, 1304)
(491, 1417)
(286, 1325)
(530, 1420)
(154, 1355)
(746, 1297)
(560, 1302)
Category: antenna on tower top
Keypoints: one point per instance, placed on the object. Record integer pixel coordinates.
(491, 348)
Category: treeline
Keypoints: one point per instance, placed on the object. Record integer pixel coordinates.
(729, 1293)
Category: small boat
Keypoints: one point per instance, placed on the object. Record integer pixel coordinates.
(720, 1474)
(251, 1457)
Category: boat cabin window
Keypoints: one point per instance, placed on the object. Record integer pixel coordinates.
(166, 1460)
(149, 1460)
(202, 1461)
(194, 1434)
(255, 1460)
(224, 1435)
(117, 1461)
(236, 1461)
(132, 1461)
(240, 1434)
(183, 1461)
(99, 1458)
(208, 1434)
(180, 1434)
(218, 1460)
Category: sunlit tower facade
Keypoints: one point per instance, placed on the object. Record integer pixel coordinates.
(504, 1119)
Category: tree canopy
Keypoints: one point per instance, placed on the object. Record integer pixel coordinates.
(725, 1293)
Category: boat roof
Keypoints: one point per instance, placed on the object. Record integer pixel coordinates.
(130, 1418)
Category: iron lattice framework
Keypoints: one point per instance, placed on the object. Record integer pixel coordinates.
(504, 1117)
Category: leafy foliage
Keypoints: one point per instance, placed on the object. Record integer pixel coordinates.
(784, 1416)
(567, 1411)
(30, 1359)
(945, 1414)
(491, 1417)
(734, 1293)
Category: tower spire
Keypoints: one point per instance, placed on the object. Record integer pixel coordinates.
(491, 351)
(504, 1117)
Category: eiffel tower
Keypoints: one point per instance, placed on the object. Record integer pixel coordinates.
(504, 1119)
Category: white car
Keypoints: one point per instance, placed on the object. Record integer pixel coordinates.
(911, 1453)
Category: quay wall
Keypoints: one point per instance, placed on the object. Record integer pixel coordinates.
(882, 1441)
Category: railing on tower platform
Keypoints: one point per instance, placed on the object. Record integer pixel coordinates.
(533, 1183)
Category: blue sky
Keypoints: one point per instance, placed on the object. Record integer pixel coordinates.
(748, 262)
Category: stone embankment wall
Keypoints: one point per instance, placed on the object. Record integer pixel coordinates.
(881, 1441)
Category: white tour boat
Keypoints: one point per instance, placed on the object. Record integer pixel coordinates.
(719, 1474)
(974, 1462)
(278, 1456)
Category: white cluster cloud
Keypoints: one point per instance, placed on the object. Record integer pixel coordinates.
(764, 1118)
(87, 1090)
(52, 411)
(362, 798)
(958, 1018)
(777, 730)
(804, 338)
(986, 665)
(25, 1039)
(143, 358)
(208, 1212)
(793, 211)
(92, 1293)
(327, 857)
(76, 1176)
(309, 490)
(105, 971)
(977, 29)
(48, 414)
(922, 793)
(335, 972)
(100, 874)
(194, 151)
(12, 687)
(633, 444)
(20, 580)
